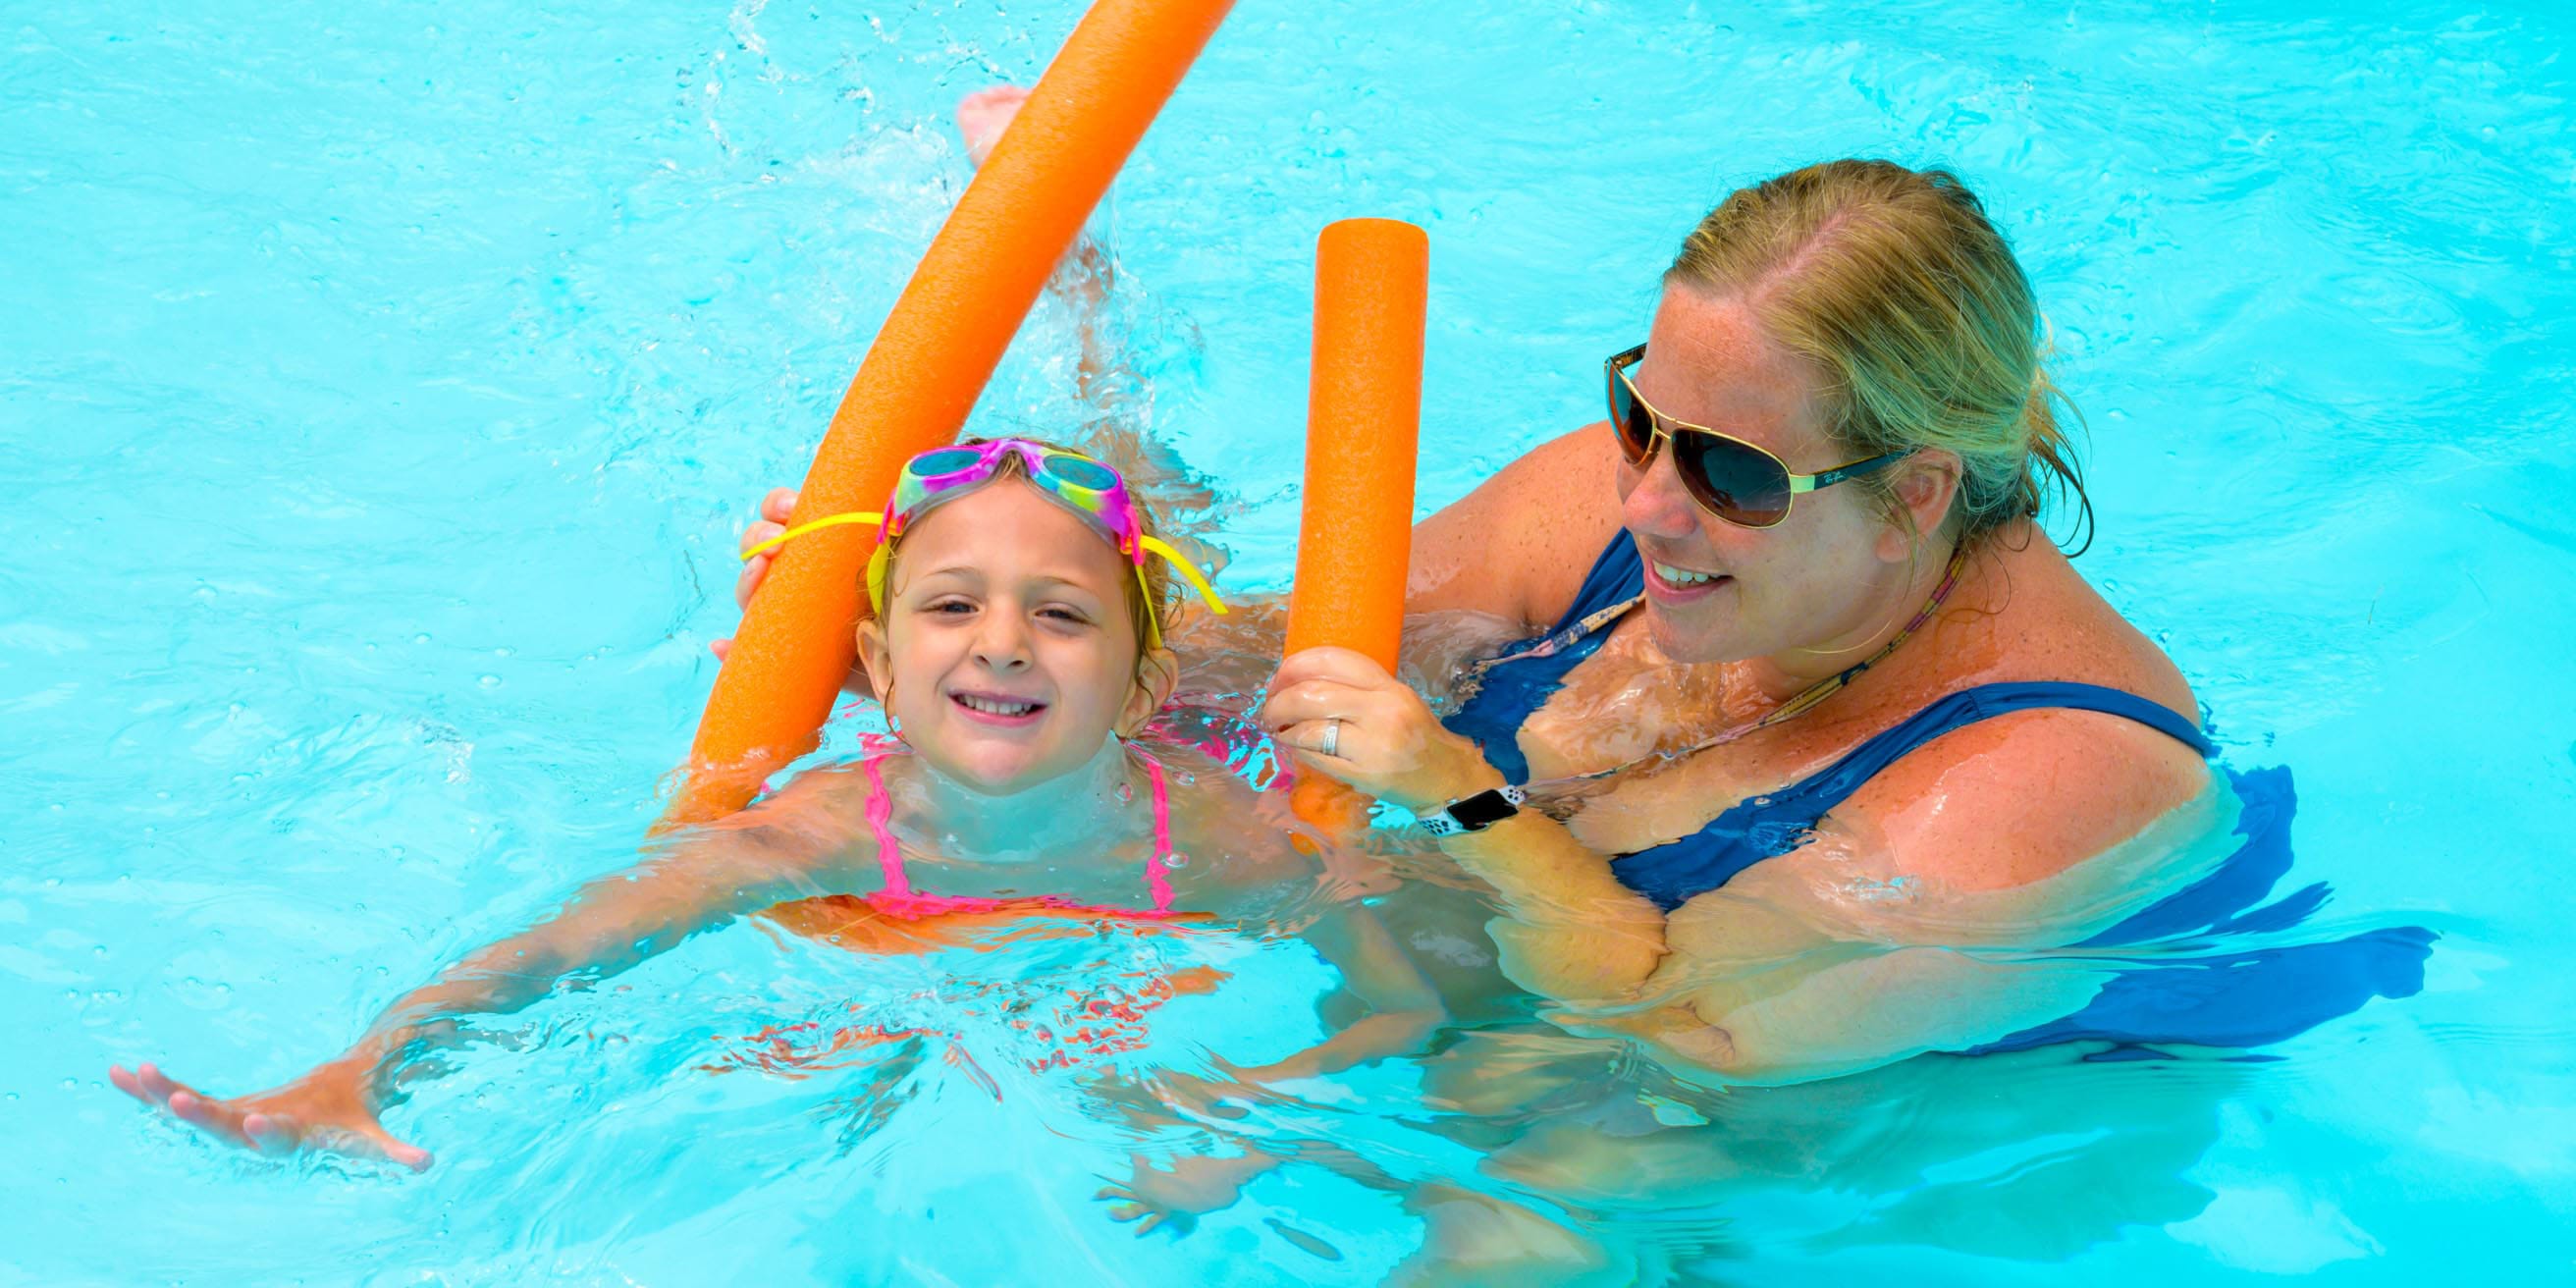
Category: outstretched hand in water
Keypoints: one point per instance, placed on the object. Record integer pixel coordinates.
(332, 1109)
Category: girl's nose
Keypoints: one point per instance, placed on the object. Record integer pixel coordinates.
(1002, 644)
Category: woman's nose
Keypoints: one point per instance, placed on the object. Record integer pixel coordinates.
(1658, 506)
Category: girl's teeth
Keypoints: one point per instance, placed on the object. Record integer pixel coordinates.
(1679, 577)
(990, 707)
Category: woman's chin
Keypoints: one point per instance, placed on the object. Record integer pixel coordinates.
(1692, 637)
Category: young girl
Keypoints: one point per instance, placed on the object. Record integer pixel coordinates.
(1017, 647)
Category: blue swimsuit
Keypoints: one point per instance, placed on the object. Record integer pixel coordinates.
(2237, 999)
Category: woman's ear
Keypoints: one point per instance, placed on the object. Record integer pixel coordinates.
(1926, 483)
(1158, 673)
(876, 661)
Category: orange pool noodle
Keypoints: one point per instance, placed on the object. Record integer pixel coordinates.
(1363, 419)
(930, 361)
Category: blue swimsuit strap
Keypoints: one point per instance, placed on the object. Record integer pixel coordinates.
(1515, 684)
(1775, 823)
(1823, 791)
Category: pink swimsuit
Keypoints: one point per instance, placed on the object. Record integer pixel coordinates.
(897, 901)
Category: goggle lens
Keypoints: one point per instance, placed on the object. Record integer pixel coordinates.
(941, 461)
(1087, 474)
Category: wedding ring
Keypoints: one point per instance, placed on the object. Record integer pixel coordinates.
(1332, 744)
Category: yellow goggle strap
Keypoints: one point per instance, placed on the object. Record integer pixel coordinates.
(879, 558)
(1189, 572)
(869, 517)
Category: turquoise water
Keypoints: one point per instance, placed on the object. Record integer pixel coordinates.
(381, 391)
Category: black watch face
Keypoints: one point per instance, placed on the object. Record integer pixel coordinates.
(1484, 809)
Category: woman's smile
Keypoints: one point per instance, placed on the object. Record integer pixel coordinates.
(1673, 585)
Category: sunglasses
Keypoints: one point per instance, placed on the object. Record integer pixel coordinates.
(1730, 478)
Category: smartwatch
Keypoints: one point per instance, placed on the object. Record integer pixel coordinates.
(1474, 813)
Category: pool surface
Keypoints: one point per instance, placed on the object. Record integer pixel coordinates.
(382, 386)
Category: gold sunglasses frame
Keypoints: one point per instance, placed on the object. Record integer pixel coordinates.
(1663, 427)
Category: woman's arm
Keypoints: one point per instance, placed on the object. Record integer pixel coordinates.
(1925, 914)
(702, 878)
(1568, 929)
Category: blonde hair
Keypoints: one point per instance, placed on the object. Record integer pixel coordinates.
(1895, 286)
(1149, 602)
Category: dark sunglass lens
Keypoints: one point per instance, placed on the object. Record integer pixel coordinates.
(1737, 483)
(1082, 473)
(1630, 420)
(944, 460)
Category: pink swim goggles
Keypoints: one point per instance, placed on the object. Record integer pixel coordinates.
(1077, 482)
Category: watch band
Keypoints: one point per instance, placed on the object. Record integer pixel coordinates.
(1474, 813)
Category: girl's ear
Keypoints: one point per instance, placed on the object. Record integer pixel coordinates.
(877, 661)
(1158, 673)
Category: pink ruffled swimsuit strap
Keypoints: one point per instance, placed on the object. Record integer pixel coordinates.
(898, 901)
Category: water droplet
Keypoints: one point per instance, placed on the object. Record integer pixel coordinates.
(1126, 793)
(422, 638)
(1176, 859)
(488, 681)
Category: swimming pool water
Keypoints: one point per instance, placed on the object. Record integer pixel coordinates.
(381, 388)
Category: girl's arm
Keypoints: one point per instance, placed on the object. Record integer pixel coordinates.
(700, 879)
(1404, 1010)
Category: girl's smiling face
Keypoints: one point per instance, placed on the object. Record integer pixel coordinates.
(1007, 650)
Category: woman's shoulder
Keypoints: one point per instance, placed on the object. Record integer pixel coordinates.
(1519, 545)
(2038, 618)
(2010, 799)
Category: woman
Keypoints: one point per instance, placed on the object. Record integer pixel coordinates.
(1825, 682)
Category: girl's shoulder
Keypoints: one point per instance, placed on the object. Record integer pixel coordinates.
(821, 811)
(1230, 838)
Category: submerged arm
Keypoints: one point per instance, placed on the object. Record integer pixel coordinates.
(1926, 915)
(1404, 1011)
(1831, 1006)
(700, 879)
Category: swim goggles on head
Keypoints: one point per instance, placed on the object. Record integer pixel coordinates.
(1730, 478)
(1079, 483)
